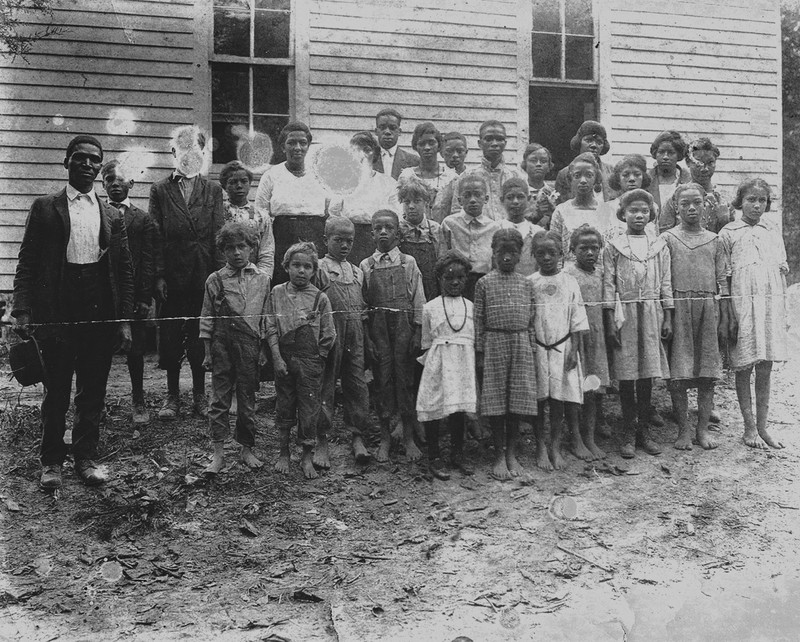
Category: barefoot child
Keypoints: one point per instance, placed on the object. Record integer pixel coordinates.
(231, 327)
(757, 268)
(504, 339)
(342, 282)
(537, 164)
(586, 244)
(394, 293)
(636, 268)
(470, 231)
(142, 243)
(699, 273)
(421, 236)
(515, 198)
(560, 321)
(300, 333)
(447, 389)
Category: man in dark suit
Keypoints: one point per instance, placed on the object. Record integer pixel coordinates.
(73, 284)
(393, 160)
(188, 212)
(143, 243)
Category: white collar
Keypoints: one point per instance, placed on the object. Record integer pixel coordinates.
(73, 194)
(126, 202)
(389, 152)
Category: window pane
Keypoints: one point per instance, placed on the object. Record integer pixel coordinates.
(226, 137)
(580, 58)
(270, 90)
(546, 16)
(272, 34)
(578, 17)
(274, 4)
(271, 126)
(230, 89)
(546, 53)
(231, 32)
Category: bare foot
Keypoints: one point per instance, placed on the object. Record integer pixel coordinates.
(578, 449)
(216, 465)
(383, 450)
(543, 460)
(249, 459)
(557, 459)
(514, 467)
(705, 440)
(752, 439)
(360, 450)
(684, 440)
(500, 470)
(397, 433)
(764, 434)
(322, 457)
(307, 465)
(597, 453)
(412, 452)
(282, 465)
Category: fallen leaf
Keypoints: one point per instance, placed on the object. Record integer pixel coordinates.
(12, 505)
(303, 595)
(248, 529)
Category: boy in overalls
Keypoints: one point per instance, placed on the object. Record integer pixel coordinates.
(231, 327)
(420, 234)
(343, 282)
(300, 333)
(395, 295)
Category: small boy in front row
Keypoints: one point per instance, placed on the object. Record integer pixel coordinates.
(343, 283)
(232, 327)
(300, 333)
(395, 295)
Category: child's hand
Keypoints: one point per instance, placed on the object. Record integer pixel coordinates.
(666, 326)
(161, 290)
(207, 363)
(281, 369)
(141, 310)
(125, 336)
(571, 360)
(263, 357)
(611, 332)
(416, 342)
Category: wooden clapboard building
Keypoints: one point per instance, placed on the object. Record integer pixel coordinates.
(129, 71)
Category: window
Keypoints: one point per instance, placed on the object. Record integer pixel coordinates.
(251, 73)
(563, 89)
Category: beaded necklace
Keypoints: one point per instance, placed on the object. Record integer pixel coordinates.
(447, 316)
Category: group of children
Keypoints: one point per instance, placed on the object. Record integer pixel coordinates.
(499, 319)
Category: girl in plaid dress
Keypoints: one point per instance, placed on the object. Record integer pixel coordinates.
(504, 339)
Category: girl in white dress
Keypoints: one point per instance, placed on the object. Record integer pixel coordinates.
(448, 388)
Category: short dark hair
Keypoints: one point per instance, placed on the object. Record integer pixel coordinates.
(412, 188)
(230, 168)
(673, 138)
(294, 126)
(447, 260)
(581, 231)
(514, 181)
(533, 147)
(682, 187)
(472, 175)
(367, 142)
(631, 160)
(749, 184)
(83, 138)
(635, 195)
(106, 169)
(702, 144)
(454, 136)
(335, 222)
(305, 247)
(505, 236)
(389, 111)
(426, 128)
(489, 123)
(547, 235)
(233, 232)
(390, 213)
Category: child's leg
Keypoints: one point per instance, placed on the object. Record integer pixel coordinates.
(705, 405)
(572, 412)
(763, 381)
(644, 393)
(223, 377)
(746, 407)
(542, 456)
(457, 424)
(136, 371)
(680, 407)
(330, 373)
(404, 382)
(309, 384)
(500, 467)
(512, 440)
(601, 425)
(285, 414)
(435, 464)
(588, 418)
(354, 390)
(556, 433)
(627, 436)
(246, 351)
(384, 383)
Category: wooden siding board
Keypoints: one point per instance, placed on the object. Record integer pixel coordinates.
(402, 83)
(418, 112)
(722, 23)
(92, 80)
(440, 72)
(429, 16)
(416, 54)
(408, 97)
(621, 30)
(444, 42)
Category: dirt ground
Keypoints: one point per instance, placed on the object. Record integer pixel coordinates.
(685, 546)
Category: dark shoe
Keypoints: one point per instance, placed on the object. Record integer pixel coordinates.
(89, 472)
(436, 468)
(627, 451)
(170, 408)
(200, 405)
(645, 442)
(714, 417)
(51, 476)
(459, 464)
(655, 418)
(140, 414)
